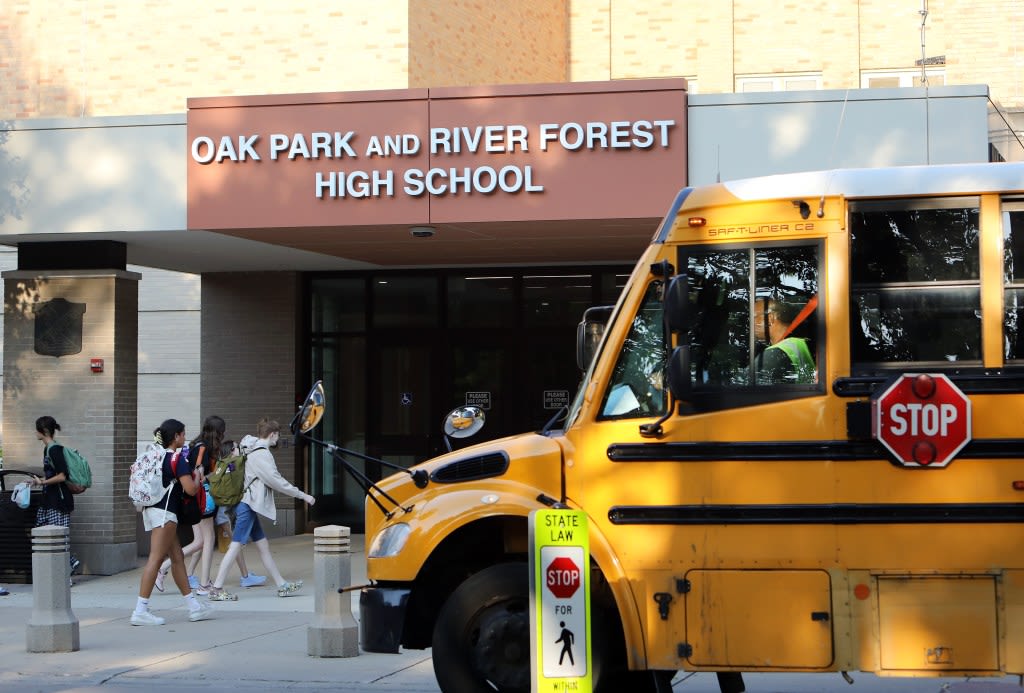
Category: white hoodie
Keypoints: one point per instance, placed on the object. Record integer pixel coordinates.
(262, 479)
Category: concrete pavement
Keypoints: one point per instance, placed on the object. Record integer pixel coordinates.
(259, 643)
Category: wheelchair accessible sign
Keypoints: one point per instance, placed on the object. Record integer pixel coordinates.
(560, 595)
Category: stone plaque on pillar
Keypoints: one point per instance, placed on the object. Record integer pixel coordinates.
(58, 328)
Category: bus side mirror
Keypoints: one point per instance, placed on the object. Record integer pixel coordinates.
(677, 372)
(589, 332)
(677, 304)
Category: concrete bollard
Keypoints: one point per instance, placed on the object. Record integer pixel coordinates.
(333, 632)
(52, 627)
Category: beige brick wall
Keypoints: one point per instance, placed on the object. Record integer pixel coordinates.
(480, 42)
(142, 57)
(995, 32)
(718, 41)
(139, 57)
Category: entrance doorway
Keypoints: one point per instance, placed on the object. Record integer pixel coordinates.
(398, 351)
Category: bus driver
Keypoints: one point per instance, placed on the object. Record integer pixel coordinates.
(787, 359)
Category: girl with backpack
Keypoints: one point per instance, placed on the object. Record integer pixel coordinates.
(261, 480)
(203, 454)
(161, 520)
(57, 501)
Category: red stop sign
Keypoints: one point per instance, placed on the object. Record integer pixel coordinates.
(923, 419)
(562, 576)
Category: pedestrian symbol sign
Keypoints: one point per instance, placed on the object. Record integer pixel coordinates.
(560, 595)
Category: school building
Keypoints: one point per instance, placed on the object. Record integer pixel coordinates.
(205, 207)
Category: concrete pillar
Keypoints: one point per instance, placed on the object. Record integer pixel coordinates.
(333, 632)
(52, 627)
(55, 323)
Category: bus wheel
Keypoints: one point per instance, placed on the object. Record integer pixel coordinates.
(481, 640)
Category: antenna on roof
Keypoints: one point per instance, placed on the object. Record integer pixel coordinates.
(831, 155)
(924, 59)
(924, 83)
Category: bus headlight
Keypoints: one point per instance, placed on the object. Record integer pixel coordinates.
(390, 541)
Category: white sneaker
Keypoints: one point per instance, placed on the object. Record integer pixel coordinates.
(201, 614)
(147, 618)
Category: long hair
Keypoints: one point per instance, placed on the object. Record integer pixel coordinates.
(165, 432)
(212, 436)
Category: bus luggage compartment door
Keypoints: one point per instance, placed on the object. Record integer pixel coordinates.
(941, 623)
(773, 619)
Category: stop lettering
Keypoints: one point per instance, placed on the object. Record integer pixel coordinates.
(562, 576)
(923, 419)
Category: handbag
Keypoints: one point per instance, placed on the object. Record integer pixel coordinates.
(22, 494)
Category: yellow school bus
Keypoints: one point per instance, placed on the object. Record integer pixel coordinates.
(798, 441)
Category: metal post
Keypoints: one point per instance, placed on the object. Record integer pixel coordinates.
(52, 627)
(333, 632)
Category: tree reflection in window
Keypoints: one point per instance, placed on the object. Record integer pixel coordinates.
(1013, 257)
(636, 387)
(728, 304)
(914, 282)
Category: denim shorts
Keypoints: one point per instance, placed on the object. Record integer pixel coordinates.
(247, 525)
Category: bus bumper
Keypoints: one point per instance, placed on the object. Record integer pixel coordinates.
(382, 618)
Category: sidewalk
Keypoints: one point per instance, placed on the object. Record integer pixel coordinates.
(259, 643)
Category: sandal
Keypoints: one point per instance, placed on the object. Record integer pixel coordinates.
(221, 595)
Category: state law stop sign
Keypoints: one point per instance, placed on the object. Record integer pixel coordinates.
(562, 576)
(923, 419)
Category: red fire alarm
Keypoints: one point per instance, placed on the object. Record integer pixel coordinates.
(96, 365)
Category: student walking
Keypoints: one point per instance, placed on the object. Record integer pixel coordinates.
(261, 480)
(161, 521)
(57, 501)
(204, 452)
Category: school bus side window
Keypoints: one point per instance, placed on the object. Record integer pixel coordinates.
(914, 282)
(636, 388)
(1013, 276)
(754, 318)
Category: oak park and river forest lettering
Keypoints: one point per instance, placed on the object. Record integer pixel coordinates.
(362, 182)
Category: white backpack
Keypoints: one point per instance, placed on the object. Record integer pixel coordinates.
(146, 479)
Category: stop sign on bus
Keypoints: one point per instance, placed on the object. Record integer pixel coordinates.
(562, 577)
(923, 419)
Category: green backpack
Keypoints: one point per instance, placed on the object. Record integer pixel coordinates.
(227, 483)
(79, 474)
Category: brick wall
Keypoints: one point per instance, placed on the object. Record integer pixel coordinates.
(480, 42)
(145, 56)
(96, 411)
(251, 324)
(719, 41)
(74, 59)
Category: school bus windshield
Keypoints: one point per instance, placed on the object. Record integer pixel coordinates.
(636, 387)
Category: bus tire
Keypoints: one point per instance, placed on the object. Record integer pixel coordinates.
(481, 641)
